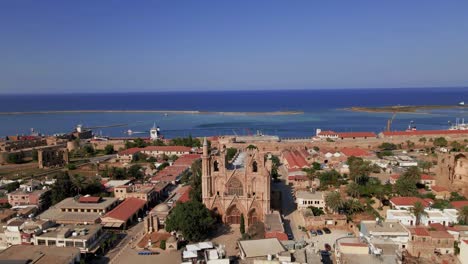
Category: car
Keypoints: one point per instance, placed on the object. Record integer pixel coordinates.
(290, 236)
(313, 233)
(326, 230)
(319, 232)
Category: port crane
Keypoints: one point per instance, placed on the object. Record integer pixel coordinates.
(390, 121)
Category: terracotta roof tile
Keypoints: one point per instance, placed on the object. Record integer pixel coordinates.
(409, 201)
(357, 152)
(126, 209)
(437, 188)
(89, 199)
(279, 235)
(167, 148)
(129, 151)
(459, 204)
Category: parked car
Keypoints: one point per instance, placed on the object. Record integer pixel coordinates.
(313, 233)
(290, 236)
(326, 230)
(319, 232)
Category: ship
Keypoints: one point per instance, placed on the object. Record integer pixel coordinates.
(462, 103)
(459, 125)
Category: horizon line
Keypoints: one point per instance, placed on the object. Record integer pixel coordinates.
(234, 90)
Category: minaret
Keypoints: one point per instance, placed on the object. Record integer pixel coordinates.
(206, 177)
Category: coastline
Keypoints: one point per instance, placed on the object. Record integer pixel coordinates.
(402, 108)
(177, 112)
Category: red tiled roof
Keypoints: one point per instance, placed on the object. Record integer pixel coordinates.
(440, 234)
(89, 199)
(395, 176)
(356, 134)
(186, 160)
(126, 209)
(185, 197)
(3, 200)
(459, 204)
(327, 133)
(437, 188)
(426, 177)
(424, 132)
(167, 148)
(409, 201)
(357, 152)
(295, 159)
(279, 235)
(353, 244)
(169, 173)
(297, 177)
(437, 226)
(465, 241)
(419, 231)
(129, 151)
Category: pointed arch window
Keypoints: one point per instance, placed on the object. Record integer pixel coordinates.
(254, 166)
(216, 166)
(235, 187)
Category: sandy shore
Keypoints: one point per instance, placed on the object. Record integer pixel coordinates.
(402, 108)
(276, 113)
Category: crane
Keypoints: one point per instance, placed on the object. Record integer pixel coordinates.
(390, 121)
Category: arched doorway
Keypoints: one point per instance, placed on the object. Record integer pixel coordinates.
(253, 217)
(233, 215)
(216, 215)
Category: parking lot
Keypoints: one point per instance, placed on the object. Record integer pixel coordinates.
(319, 241)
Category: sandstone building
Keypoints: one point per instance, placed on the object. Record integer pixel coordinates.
(452, 172)
(238, 187)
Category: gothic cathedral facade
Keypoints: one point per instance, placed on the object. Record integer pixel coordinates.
(241, 187)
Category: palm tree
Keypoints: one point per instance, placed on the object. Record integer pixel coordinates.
(463, 215)
(423, 140)
(353, 190)
(333, 201)
(354, 206)
(78, 182)
(418, 211)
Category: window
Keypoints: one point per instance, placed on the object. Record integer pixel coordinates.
(69, 243)
(254, 167)
(235, 187)
(216, 166)
(51, 243)
(41, 242)
(79, 244)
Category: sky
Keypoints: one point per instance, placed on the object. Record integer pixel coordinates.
(154, 45)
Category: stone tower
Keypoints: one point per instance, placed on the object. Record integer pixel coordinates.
(237, 187)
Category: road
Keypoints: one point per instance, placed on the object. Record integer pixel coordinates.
(133, 235)
(292, 219)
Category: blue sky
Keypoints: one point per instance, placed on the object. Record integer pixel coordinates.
(122, 46)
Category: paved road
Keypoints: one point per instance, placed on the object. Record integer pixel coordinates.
(291, 215)
(133, 235)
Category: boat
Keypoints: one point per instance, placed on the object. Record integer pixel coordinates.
(459, 125)
(462, 103)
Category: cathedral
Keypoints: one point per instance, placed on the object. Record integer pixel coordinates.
(238, 187)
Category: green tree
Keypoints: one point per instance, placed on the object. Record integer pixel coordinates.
(353, 206)
(316, 166)
(418, 211)
(16, 157)
(423, 140)
(192, 219)
(440, 142)
(388, 146)
(34, 155)
(463, 215)
(162, 244)
(158, 142)
(334, 201)
(62, 188)
(329, 178)
(455, 196)
(353, 190)
(195, 181)
(425, 166)
(250, 147)
(359, 170)
(456, 146)
(12, 186)
(316, 211)
(406, 184)
(109, 149)
(135, 172)
(242, 224)
(78, 182)
(230, 153)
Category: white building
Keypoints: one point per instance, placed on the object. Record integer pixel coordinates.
(443, 217)
(388, 232)
(305, 199)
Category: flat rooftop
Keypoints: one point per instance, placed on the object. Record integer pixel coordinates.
(309, 195)
(39, 254)
(261, 247)
(273, 222)
(67, 230)
(72, 203)
(384, 227)
(55, 214)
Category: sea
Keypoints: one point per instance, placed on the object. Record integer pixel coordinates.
(322, 109)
